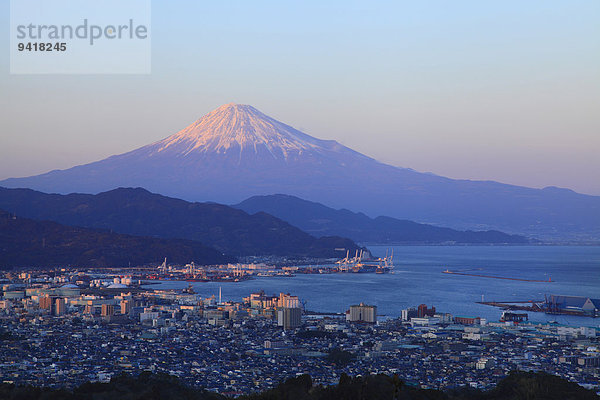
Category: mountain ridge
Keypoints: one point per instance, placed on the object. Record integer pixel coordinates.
(136, 211)
(249, 163)
(30, 243)
(318, 219)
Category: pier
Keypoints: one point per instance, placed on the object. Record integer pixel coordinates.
(532, 306)
(496, 277)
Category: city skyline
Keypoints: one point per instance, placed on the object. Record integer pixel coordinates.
(142, 320)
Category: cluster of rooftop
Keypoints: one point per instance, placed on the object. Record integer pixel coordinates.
(59, 332)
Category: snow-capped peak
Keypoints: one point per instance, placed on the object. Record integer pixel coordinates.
(239, 127)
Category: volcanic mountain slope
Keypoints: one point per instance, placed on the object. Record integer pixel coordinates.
(28, 243)
(139, 212)
(236, 152)
(320, 220)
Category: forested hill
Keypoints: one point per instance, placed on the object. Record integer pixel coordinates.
(28, 243)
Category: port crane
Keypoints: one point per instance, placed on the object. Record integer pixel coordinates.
(163, 266)
(389, 261)
(357, 264)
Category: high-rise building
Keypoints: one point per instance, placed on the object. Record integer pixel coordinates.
(60, 307)
(362, 313)
(46, 302)
(108, 310)
(423, 311)
(260, 300)
(125, 307)
(289, 317)
(409, 313)
(288, 301)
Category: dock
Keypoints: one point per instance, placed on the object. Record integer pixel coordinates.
(496, 277)
(533, 306)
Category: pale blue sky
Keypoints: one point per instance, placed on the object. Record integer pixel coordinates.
(505, 90)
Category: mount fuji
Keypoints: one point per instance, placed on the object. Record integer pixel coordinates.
(236, 152)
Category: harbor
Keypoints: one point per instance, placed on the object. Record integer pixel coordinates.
(361, 262)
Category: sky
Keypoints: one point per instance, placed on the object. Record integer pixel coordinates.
(495, 90)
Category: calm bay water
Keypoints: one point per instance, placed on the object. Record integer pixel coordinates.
(418, 278)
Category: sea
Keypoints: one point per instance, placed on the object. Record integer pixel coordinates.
(418, 278)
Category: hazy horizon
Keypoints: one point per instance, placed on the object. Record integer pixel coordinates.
(506, 92)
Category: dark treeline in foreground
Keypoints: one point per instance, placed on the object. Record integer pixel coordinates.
(517, 386)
